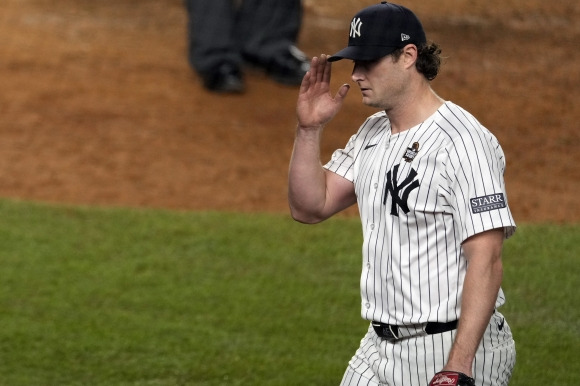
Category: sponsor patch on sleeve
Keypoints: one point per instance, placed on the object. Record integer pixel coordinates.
(487, 203)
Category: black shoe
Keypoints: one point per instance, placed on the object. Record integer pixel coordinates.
(225, 78)
(288, 68)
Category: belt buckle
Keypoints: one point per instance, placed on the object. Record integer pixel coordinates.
(386, 331)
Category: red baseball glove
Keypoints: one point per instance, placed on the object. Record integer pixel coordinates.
(451, 378)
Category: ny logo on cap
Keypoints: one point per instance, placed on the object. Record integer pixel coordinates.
(355, 25)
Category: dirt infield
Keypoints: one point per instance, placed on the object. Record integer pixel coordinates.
(99, 106)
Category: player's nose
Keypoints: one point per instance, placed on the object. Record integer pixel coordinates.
(357, 72)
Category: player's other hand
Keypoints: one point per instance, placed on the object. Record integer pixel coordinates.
(316, 106)
(451, 378)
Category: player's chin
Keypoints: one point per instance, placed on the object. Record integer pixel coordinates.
(371, 102)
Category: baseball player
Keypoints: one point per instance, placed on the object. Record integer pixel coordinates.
(428, 181)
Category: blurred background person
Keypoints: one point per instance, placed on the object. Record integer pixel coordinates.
(226, 35)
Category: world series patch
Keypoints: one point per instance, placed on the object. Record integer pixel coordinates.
(411, 152)
(487, 203)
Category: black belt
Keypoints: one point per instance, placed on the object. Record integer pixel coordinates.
(391, 331)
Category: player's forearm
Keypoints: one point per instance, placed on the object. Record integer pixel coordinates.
(306, 177)
(480, 289)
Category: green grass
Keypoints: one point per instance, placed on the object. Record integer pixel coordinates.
(542, 280)
(93, 296)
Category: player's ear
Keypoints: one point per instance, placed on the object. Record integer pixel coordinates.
(410, 54)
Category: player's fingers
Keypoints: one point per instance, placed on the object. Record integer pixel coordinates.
(305, 85)
(314, 68)
(341, 93)
(321, 68)
(327, 70)
(310, 76)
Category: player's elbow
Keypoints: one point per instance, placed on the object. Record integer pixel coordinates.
(305, 217)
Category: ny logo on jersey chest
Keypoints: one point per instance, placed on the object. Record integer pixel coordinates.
(399, 192)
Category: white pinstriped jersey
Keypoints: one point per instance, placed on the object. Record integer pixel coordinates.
(421, 193)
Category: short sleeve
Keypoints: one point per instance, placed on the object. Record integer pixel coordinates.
(342, 160)
(475, 169)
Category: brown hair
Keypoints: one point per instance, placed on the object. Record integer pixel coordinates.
(428, 59)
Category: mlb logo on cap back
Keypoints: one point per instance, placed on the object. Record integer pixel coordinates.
(380, 29)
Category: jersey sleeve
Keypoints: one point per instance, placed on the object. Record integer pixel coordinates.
(475, 169)
(342, 160)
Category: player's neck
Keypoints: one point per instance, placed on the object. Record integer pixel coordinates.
(414, 110)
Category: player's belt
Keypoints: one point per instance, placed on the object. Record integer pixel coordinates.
(393, 332)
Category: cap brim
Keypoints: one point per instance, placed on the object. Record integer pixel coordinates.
(362, 53)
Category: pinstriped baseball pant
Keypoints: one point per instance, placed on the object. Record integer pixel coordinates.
(413, 361)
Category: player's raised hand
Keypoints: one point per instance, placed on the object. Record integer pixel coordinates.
(316, 106)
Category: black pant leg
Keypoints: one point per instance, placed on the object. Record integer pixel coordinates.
(210, 33)
(267, 27)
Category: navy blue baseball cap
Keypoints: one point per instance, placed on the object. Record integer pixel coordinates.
(380, 29)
